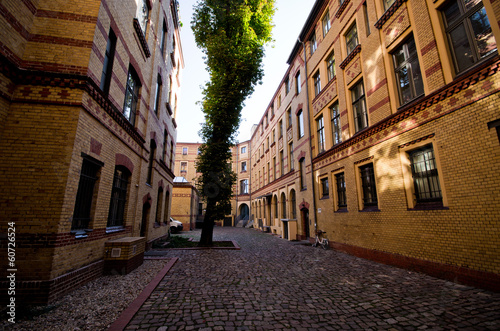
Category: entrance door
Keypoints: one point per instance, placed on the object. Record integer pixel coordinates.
(305, 222)
(244, 211)
(145, 217)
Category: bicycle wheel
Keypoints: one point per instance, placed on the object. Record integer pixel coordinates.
(324, 244)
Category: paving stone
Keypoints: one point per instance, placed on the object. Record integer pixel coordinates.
(274, 284)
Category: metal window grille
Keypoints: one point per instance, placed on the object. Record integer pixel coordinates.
(118, 198)
(341, 192)
(425, 175)
(368, 185)
(85, 195)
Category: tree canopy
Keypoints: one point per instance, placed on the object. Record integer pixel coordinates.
(232, 35)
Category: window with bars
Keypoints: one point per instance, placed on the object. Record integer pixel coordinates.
(341, 191)
(325, 188)
(368, 186)
(425, 175)
(469, 32)
(359, 106)
(320, 125)
(336, 126)
(118, 197)
(407, 69)
(85, 194)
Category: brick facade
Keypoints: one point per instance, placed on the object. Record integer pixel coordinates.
(55, 117)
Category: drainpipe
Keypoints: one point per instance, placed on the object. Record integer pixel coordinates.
(310, 140)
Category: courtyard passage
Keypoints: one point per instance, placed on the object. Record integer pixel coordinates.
(274, 284)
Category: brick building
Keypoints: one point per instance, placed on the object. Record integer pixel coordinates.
(87, 130)
(404, 135)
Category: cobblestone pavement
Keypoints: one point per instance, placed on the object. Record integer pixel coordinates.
(273, 284)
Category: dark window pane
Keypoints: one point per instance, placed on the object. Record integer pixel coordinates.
(461, 47)
(485, 40)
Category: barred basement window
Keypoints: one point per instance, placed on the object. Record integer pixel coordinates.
(368, 186)
(425, 175)
(85, 194)
(118, 197)
(341, 191)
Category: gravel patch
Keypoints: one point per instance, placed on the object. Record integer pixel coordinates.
(94, 306)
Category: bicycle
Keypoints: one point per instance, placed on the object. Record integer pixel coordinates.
(321, 239)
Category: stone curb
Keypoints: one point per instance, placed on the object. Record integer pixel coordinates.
(127, 315)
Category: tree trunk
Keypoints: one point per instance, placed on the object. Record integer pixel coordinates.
(207, 230)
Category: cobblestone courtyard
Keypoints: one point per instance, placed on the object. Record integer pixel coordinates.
(273, 284)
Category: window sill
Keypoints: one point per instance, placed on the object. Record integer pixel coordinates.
(428, 206)
(115, 229)
(325, 197)
(81, 233)
(341, 210)
(370, 209)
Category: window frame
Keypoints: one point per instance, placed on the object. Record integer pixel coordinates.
(303, 179)
(325, 23)
(313, 43)
(336, 123)
(300, 120)
(340, 192)
(324, 186)
(330, 66)
(351, 41)
(118, 198)
(361, 100)
(317, 83)
(132, 91)
(298, 86)
(463, 19)
(367, 186)
(107, 68)
(320, 130)
(409, 184)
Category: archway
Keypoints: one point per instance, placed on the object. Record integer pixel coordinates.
(244, 212)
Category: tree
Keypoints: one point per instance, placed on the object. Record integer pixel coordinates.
(232, 34)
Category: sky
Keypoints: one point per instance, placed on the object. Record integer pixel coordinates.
(289, 19)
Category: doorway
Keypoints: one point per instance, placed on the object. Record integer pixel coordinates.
(145, 217)
(305, 222)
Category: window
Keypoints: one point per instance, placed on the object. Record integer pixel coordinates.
(325, 190)
(275, 205)
(359, 106)
(269, 174)
(244, 186)
(368, 188)
(317, 83)
(143, 15)
(282, 163)
(351, 38)
(289, 116)
(293, 202)
(243, 166)
(85, 194)
(131, 96)
(118, 197)
(330, 66)
(283, 205)
(298, 87)
(198, 151)
(165, 144)
(184, 150)
(157, 95)
(302, 168)
(336, 127)
(341, 191)
(388, 3)
(326, 23)
(300, 119)
(407, 69)
(279, 101)
(171, 154)
(425, 175)
(469, 32)
(272, 109)
(290, 153)
(287, 85)
(169, 90)
(159, 201)
(163, 39)
(107, 68)
(320, 124)
(184, 167)
(313, 44)
(275, 167)
(152, 152)
(367, 19)
(243, 150)
(273, 136)
(280, 129)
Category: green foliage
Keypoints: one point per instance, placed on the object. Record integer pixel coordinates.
(232, 34)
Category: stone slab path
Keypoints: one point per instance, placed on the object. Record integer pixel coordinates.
(274, 284)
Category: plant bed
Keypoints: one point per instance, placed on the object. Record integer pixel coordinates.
(178, 242)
